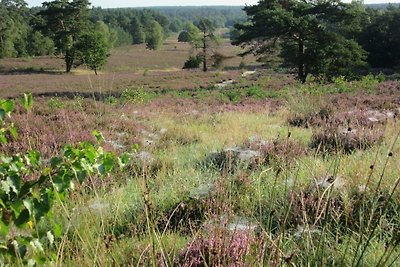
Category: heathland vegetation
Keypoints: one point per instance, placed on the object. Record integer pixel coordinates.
(200, 136)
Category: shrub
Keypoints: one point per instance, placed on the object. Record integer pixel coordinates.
(256, 152)
(332, 139)
(256, 92)
(219, 246)
(55, 103)
(135, 95)
(193, 62)
(232, 95)
(309, 119)
(184, 36)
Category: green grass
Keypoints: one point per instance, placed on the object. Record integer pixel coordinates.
(121, 235)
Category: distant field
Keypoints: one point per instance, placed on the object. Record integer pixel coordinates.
(127, 66)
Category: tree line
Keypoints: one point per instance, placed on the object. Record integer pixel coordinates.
(82, 34)
(321, 38)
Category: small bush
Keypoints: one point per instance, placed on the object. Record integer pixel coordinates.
(345, 140)
(112, 100)
(136, 95)
(232, 95)
(55, 103)
(193, 62)
(309, 119)
(256, 92)
(256, 152)
(220, 246)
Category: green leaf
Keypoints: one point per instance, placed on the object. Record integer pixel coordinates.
(55, 162)
(124, 159)
(27, 101)
(12, 182)
(33, 158)
(7, 106)
(98, 135)
(13, 132)
(108, 162)
(4, 228)
(57, 229)
(22, 219)
(29, 205)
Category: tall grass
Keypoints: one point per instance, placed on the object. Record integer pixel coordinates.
(337, 208)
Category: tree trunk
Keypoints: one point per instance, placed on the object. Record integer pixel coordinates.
(69, 60)
(301, 75)
(204, 52)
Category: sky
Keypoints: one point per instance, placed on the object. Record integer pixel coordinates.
(147, 3)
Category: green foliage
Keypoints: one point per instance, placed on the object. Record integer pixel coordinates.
(27, 101)
(154, 36)
(234, 95)
(13, 29)
(193, 62)
(137, 32)
(206, 39)
(111, 100)
(184, 37)
(193, 34)
(256, 92)
(381, 38)
(136, 95)
(64, 22)
(309, 35)
(93, 49)
(121, 37)
(55, 103)
(109, 35)
(29, 186)
(40, 45)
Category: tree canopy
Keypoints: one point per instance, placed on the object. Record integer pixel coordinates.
(310, 35)
(93, 49)
(381, 38)
(206, 40)
(64, 22)
(154, 36)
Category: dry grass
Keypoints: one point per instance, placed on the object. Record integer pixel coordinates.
(127, 66)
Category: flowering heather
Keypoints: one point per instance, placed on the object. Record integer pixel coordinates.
(220, 247)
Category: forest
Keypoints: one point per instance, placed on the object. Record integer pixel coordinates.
(364, 37)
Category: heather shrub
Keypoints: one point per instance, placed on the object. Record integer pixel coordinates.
(308, 119)
(217, 246)
(256, 152)
(333, 139)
